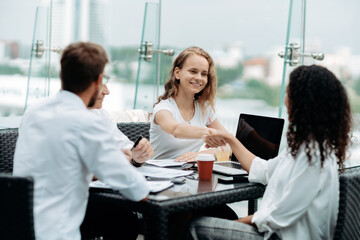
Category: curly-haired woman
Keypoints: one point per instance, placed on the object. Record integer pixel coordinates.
(184, 112)
(302, 194)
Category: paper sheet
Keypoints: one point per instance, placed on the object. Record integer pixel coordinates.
(158, 186)
(154, 186)
(164, 162)
(158, 172)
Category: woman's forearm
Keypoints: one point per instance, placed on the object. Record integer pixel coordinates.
(183, 130)
(244, 156)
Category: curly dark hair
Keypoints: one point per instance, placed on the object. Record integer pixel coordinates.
(319, 113)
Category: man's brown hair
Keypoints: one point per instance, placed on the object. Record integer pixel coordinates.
(81, 64)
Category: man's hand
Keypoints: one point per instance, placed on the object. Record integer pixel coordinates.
(128, 154)
(143, 151)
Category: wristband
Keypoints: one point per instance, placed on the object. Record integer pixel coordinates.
(135, 163)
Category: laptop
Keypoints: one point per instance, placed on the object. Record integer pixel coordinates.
(259, 134)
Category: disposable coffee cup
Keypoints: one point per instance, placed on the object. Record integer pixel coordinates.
(205, 163)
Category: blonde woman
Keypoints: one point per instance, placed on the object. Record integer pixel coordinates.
(184, 113)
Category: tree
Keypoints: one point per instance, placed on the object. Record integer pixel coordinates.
(124, 54)
(7, 69)
(227, 75)
(357, 86)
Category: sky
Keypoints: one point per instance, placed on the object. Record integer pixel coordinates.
(260, 25)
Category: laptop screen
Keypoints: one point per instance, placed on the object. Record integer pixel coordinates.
(259, 134)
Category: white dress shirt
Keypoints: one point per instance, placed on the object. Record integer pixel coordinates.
(166, 145)
(301, 199)
(61, 144)
(123, 141)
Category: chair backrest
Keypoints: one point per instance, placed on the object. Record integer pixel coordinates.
(8, 139)
(133, 129)
(16, 208)
(348, 222)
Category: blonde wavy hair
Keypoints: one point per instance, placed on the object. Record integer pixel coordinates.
(207, 95)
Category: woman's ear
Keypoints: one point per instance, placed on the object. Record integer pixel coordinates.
(177, 73)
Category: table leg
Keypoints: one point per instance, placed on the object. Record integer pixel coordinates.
(252, 206)
(156, 225)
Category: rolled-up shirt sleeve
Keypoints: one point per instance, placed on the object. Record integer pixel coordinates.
(282, 210)
(261, 170)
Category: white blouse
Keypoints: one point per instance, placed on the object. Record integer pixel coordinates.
(109, 123)
(301, 199)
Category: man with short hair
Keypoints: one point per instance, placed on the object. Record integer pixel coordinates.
(61, 144)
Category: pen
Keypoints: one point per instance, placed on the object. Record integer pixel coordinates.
(136, 142)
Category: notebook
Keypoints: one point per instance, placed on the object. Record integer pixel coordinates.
(259, 134)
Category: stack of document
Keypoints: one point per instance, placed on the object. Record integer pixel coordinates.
(158, 186)
(154, 186)
(166, 173)
(164, 162)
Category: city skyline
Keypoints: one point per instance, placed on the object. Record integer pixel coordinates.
(259, 25)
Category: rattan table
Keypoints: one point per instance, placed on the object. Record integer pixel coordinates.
(193, 195)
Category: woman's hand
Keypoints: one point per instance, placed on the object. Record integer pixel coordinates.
(143, 151)
(187, 157)
(215, 139)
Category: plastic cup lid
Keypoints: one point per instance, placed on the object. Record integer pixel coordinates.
(205, 157)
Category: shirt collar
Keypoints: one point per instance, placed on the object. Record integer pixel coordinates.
(71, 98)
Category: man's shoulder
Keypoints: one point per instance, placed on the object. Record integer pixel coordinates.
(39, 103)
(86, 117)
(61, 113)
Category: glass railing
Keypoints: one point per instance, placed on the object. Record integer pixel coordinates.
(244, 40)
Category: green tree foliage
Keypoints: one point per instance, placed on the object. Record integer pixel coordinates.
(124, 54)
(123, 71)
(43, 72)
(165, 67)
(357, 86)
(263, 91)
(166, 64)
(227, 75)
(6, 69)
(121, 59)
(253, 89)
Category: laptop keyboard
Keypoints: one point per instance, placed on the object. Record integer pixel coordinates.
(229, 164)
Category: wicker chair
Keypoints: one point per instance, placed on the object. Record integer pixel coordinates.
(348, 223)
(16, 208)
(8, 139)
(133, 129)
